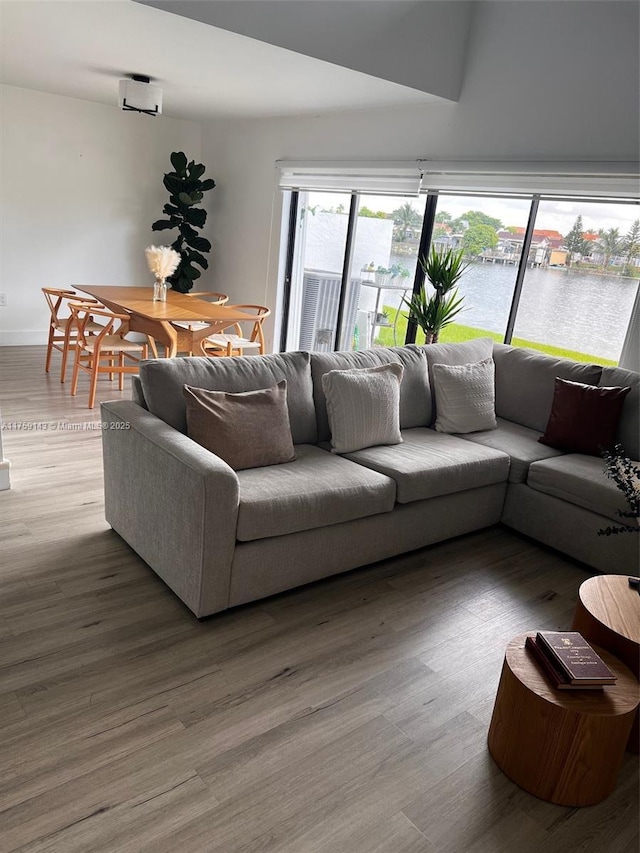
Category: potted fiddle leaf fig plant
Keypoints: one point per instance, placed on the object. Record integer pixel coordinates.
(186, 190)
(434, 310)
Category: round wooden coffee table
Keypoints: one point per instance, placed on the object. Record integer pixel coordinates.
(608, 614)
(564, 746)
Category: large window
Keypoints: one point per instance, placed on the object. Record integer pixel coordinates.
(580, 281)
(555, 275)
(385, 256)
(490, 232)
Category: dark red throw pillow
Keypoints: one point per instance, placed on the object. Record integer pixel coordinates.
(584, 418)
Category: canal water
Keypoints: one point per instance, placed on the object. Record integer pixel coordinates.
(572, 309)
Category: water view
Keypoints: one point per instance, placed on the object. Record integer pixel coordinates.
(571, 309)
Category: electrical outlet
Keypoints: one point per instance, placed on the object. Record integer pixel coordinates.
(3, 299)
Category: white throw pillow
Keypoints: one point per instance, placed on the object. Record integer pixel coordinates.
(465, 396)
(363, 406)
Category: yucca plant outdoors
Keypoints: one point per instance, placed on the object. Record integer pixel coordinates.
(186, 190)
(433, 311)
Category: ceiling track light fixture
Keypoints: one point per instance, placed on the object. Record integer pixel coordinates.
(137, 94)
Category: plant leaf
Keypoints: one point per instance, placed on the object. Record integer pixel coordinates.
(201, 244)
(173, 184)
(178, 161)
(163, 225)
(196, 216)
(197, 258)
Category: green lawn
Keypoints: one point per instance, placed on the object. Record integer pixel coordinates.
(456, 333)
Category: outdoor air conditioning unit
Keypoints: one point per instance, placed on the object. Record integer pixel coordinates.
(319, 315)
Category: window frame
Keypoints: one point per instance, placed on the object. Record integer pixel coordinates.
(428, 222)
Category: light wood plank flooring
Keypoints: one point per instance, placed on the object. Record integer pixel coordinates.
(349, 716)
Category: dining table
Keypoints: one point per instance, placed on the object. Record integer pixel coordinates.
(158, 320)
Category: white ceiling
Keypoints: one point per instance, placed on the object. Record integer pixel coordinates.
(80, 48)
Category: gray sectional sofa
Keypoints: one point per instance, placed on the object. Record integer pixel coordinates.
(219, 537)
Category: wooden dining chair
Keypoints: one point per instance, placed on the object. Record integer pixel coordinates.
(210, 296)
(234, 343)
(105, 351)
(62, 331)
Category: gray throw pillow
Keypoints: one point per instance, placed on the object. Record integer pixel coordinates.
(465, 396)
(247, 430)
(363, 406)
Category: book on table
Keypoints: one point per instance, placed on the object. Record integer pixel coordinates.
(555, 675)
(575, 658)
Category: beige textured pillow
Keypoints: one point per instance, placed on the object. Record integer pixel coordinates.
(247, 430)
(465, 396)
(363, 406)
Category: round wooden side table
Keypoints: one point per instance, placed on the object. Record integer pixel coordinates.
(564, 746)
(608, 614)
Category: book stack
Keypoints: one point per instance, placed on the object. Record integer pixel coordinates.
(569, 662)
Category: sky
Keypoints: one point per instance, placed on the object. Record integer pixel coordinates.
(553, 215)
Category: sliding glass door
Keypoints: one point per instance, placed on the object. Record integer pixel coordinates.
(358, 251)
(320, 235)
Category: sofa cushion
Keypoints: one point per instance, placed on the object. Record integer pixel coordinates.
(628, 434)
(430, 463)
(246, 430)
(315, 490)
(163, 380)
(465, 396)
(519, 442)
(363, 406)
(466, 352)
(415, 397)
(525, 383)
(580, 480)
(584, 418)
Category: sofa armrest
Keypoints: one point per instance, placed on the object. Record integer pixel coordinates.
(172, 501)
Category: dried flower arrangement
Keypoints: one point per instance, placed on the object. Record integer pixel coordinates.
(626, 476)
(162, 261)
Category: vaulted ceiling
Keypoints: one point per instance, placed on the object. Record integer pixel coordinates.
(348, 55)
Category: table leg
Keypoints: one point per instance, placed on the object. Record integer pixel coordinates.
(159, 330)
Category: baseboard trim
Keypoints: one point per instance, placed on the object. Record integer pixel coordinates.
(23, 339)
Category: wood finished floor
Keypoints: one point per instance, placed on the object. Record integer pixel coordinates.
(349, 716)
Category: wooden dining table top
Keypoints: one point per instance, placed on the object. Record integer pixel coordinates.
(167, 322)
(179, 307)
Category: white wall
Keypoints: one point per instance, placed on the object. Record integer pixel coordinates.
(544, 81)
(81, 184)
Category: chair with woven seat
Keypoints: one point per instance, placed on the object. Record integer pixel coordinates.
(62, 332)
(228, 344)
(109, 345)
(209, 296)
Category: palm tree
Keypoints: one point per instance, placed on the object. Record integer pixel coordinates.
(631, 246)
(405, 219)
(610, 243)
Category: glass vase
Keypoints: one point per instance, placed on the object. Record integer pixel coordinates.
(160, 290)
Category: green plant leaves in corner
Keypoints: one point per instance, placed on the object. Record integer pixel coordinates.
(186, 191)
